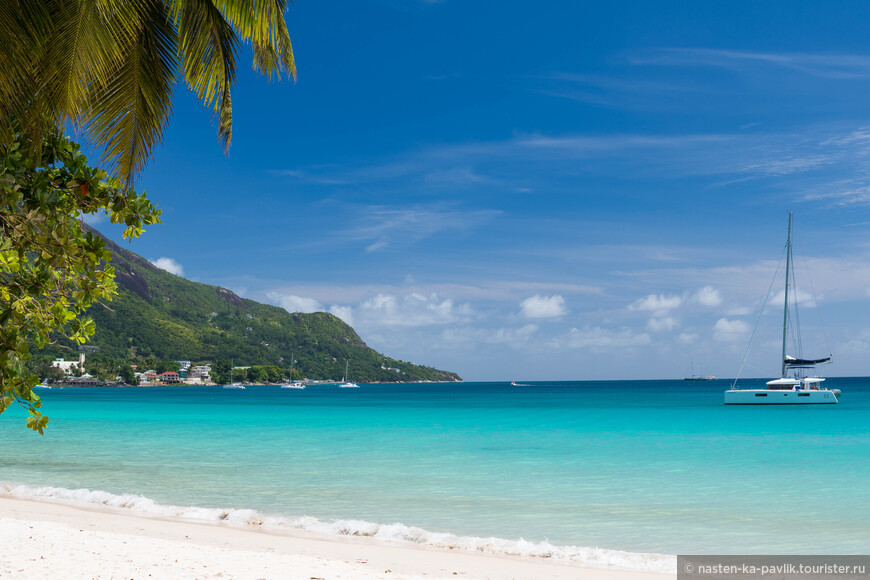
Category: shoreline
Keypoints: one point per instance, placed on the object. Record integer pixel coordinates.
(43, 538)
(182, 384)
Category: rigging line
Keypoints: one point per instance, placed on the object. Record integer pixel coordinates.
(816, 302)
(763, 304)
(796, 327)
(762, 371)
(795, 319)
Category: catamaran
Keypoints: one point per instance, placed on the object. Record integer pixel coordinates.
(796, 389)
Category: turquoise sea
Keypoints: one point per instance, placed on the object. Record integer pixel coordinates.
(639, 466)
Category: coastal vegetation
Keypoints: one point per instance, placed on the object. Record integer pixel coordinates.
(108, 67)
(52, 268)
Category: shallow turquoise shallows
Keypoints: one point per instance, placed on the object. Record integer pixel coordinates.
(655, 466)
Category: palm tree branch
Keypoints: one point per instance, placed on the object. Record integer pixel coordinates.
(208, 46)
(23, 27)
(129, 111)
(87, 42)
(262, 22)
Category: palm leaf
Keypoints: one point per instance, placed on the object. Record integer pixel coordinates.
(88, 41)
(129, 110)
(208, 47)
(262, 23)
(24, 26)
(111, 64)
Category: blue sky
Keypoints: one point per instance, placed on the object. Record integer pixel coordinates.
(555, 190)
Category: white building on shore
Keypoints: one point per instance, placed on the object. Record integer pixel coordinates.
(69, 366)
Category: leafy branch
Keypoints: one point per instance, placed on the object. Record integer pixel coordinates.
(51, 269)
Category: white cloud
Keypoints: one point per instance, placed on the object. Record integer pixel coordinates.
(93, 219)
(708, 296)
(514, 336)
(657, 303)
(169, 265)
(293, 303)
(687, 337)
(343, 312)
(825, 65)
(410, 310)
(453, 177)
(857, 346)
(665, 324)
(468, 337)
(387, 226)
(796, 295)
(379, 245)
(538, 306)
(596, 338)
(730, 330)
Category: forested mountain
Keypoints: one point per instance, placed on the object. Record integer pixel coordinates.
(164, 316)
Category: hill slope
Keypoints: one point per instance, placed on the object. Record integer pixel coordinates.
(160, 314)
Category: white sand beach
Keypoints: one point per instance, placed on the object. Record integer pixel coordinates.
(43, 539)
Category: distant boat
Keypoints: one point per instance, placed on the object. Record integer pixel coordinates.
(694, 377)
(796, 389)
(293, 384)
(346, 383)
(233, 385)
(41, 387)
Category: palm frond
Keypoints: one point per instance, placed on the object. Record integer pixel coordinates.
(88, 41)
(129, 110)
(208, 47)
(110, 65)
(262, 23)
(24, 26)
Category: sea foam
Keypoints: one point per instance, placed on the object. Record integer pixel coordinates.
(397, 532)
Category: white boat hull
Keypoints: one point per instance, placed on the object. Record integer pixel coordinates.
(779, 397)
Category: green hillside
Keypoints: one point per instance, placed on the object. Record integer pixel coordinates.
(158, 314)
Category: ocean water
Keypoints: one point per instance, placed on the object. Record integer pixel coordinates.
(552, 468)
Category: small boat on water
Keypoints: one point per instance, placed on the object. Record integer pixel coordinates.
(233, 385)
(693, 377)
(346, 383)
(797, 389)
(293, 384)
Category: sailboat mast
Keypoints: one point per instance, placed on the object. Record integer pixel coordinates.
(785, 305)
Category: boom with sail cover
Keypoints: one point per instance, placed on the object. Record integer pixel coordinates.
(791, 361)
